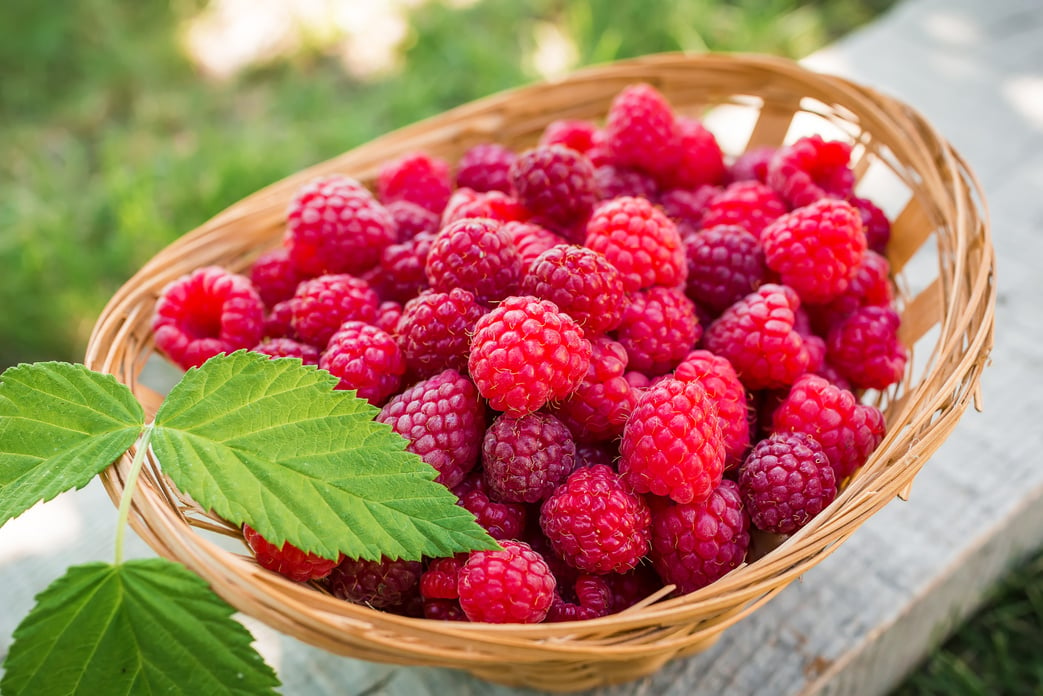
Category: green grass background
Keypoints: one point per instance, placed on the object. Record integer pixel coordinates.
(112, 145)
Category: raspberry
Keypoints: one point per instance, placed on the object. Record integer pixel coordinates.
(365, 359)
(287, 560)
(412, 219)
(556, 183)
(748, 204)
(288, 348)
(686, 208)
(495, 205)
(486, 167)
(659, 328)
(525, 458)
(477, 255)
(576, 134)
(816, 249)
(753, 165)
(591, 453)
(718, 378)
(439, 579)
(701, 161)
(847, 430)
(725, 264)
(514, 585)
(640, 131)
(442, 418)
(639, 240)
(380, 584)
(531, 240)
(388, 315)
(443, 610)
(870, 286)
(785, 481)
(864, 348)
(694, 544)
(401, 274)
(757, 335)
(599, 406)
(501, 520)
(582, 283)
(613, 182)
(595, 522)
(875, 223)
(526, 353)
(274, 276)
(434, 331)
(811, 168)
(279, 321)
(633, 586)
(592, 595)
(417, 178)
(206, 312)
(322, 304)
(672, 443)
(334, 225)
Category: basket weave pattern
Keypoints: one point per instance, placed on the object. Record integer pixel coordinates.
(940, 254)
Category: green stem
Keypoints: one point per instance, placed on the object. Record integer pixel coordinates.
(128, 489)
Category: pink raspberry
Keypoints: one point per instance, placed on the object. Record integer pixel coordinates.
(753, 165)
(847, 430)
(274, 276)
(701, 161)
(418, 178)
(525, 353)
(687, 207)
(525, 458)
(725, 264)
(501, 520)
(556, 183)
(531, 240)
(694, 544)
(576, 134)
(757, 335)
(748, 204)
(658, 329)
(599, 406)
(869, 287)
(334, 225)
(875, 223)
(785, 481)
(613, 182)
(440, 577)
(287, 560)
(486, 167)
(816, 249)
(582, 283)
(434, 331)
(278, 323)
(495, 205)
(206, 312)
(474, 254)
(639, 240)
(718, 378)
(412, 219)
(672, 443)
(388, 315)
(640, 131)
(443, 419)
(322, 304)
(288, 348)
(382, 584)
(514, 585)
(589, 598)
(365, 359)
(810, 169)
(864, 348)
(595, 522)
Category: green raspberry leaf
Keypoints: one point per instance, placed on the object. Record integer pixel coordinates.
(271, 444)
(142, 627)
(60, 425)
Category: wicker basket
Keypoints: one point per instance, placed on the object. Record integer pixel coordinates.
(940, 253)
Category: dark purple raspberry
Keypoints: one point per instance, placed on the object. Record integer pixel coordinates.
(591, 453)
(613, 182)
(810, 169)
(633, 586)
(582, 283)
(443, 610)
(659, 328)
(753, 165)
(365, 359)
(869, 287)
(641, 132)
(687, 207)
(556, 184)
(639, 240)
(525, 458)
(513, 585)
(434, 331)
(588, 598)
(748, 204)
(785, 481)
(599, 406)
(322, 304)
(501, 520)
(417, 178)
(380, 584)
(401, 275)
(718, 378)
(288, 348)
(486, 167)
(275, 277)
(875, 223)
(864, 348)
(412, 219)
(701, 161)
(725, 264)
(475, 254)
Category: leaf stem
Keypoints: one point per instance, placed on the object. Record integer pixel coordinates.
(128, 489)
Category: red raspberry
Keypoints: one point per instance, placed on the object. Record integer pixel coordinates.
(718, 378)
(365, 359)
(477, 255)
(595, 522)
(388, 315)
(434, 331)
(288, 348)
(672, 443)
(701, 161)
(869, 287)
(412, 219)
(613, 182)
(592, 595)
(753, 165)
(725, 264)
(694, 544)
(576, 134)
(598, 408)
(486, 167)
(748, 204)
(322, 304)
(658, 330)
(206, 312)
(785, 481)
(639, 240)
(864, 348)
(287, 560)
(274, 276)
(640, 131)
(439, 579)
(417, 178)
(279, 321)
(582, 283)
(816, 249)
(531, 240)
(495, 205)
(443, 419)
(875, 223)
(501, 520)
(555, 183)
(381, 584)
(526, 353)
(334, 225)
(525, 458)
(401, 274)
(686, 208)
(757, 335)
(810, 169)
(514, 585)
(847, 430)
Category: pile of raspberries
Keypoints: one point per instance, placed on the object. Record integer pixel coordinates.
(621, 350)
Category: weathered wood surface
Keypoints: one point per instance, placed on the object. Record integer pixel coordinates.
(857, 622)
